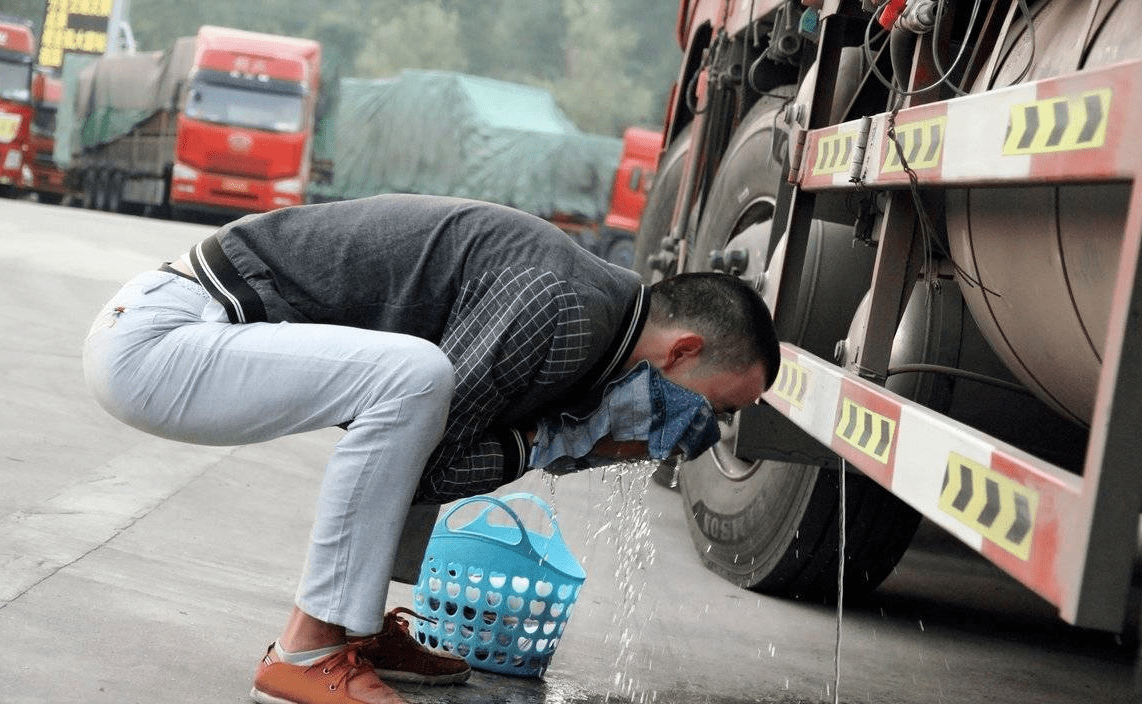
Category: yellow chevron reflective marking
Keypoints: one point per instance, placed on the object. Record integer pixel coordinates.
(792, 383)
(1059, 124)
(834, 153)
(866, 430)
(998, 508)
(922, 143)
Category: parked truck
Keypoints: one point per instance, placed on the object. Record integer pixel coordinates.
(448, 133)
(16, 51)
(221, 124)
(47, 177)
(633, 177)
(940, 202)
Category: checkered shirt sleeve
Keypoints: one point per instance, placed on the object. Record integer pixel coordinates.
(512, 334)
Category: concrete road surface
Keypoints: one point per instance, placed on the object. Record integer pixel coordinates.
(134, 569)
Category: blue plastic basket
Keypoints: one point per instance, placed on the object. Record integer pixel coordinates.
(500, 594)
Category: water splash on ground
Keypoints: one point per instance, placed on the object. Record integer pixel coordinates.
(625, 527)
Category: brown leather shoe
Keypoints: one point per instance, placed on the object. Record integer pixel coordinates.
(399, 657)
(345, 677)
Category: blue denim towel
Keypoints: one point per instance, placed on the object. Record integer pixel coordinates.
(641, 405)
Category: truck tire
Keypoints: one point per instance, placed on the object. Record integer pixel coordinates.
(774, 526)
(777, 530)
(102, 186)
(115, 192)
(90, 177)
(659, 210)
(620, 250)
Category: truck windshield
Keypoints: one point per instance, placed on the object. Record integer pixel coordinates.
(44, 119)
(15, 79)
(239, 106)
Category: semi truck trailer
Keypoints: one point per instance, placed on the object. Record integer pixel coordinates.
(940, 203)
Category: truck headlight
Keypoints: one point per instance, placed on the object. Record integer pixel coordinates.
(13, 160)
(182, 172)
(292, 186)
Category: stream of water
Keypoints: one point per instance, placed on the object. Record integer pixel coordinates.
(620, 520)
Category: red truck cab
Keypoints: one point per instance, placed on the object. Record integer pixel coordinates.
(633, 178)
(245, 132)
(47, 177)
(16, 49)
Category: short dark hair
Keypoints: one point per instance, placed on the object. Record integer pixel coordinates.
(728, 313)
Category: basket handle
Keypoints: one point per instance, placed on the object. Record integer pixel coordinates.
(442, 525)
(524, 496)
(556, 536)
(524, 545)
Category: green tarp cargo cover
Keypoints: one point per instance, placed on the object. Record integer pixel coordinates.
(116, 93)
(454, 134)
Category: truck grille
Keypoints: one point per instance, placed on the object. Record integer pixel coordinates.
(238, 165)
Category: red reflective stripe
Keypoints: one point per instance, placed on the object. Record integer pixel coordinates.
(873, 401)
(1041, 571)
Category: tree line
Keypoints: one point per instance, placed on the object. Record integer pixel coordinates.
(609, 63)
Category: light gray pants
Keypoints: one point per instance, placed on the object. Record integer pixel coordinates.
(158, 358)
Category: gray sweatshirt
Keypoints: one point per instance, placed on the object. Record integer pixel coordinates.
(532, 323)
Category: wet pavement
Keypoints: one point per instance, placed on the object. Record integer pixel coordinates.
(133, 569)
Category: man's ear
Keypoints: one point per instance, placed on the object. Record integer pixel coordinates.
(685, 347)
